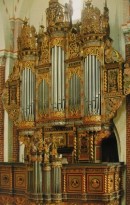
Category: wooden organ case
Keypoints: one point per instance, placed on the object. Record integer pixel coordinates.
(65, 88)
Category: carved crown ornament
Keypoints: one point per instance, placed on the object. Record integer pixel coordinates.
(70, 55)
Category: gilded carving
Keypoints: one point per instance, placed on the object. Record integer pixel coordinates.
(25, 124)
(58, 41)
(58, 114)
(126, 79)
(74, 112)
(111, 105)
(113, 80)
(92, 119)
(105, 81)
(95, 50)
(97, 23)
(33, 145)
(28, 64)
(101, 134)
(110, 183)
(44, 76)
(89, 71)
(27, 40)
(11, 93)
(58, 16)
(72, 71)
(111, 55)
(73, 45)
(43, 47)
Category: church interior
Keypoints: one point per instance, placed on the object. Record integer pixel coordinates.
(65, 102)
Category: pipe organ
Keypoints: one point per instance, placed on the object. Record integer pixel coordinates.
(65, 88)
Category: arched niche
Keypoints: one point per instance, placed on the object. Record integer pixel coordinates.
(110, 149)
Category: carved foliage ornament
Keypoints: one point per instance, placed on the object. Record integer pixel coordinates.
(127, 79)
(11, 93)
(33, 145)
(111, 55)
(73, 45)
(27, 40)
(96, 22)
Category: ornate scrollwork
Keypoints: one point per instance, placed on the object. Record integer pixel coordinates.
(58, 41)
(127, 79)
(73, 45)
(58, 15)
(27, 40)
(11, 93)
(111, 55)
(97, 23)
(95, 50)
(72, 71)
(111, 106)
(33, 145)
(58, 114)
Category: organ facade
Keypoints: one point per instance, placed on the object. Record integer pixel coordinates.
(64, 91)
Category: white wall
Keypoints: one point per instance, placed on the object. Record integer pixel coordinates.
(120, 131)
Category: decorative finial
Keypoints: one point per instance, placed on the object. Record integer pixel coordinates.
(25, 21)
(105, 3)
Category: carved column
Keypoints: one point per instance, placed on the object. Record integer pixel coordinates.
(2, 81)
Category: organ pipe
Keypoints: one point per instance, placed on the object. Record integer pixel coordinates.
(63, 80)
(27, 97)
(43, 95)
(58, 87)
(59, 78)
(74, 91)
(25, 82)
(30, 95)
(92, 85)
(55, 78)
(52, 78)
(28, 81)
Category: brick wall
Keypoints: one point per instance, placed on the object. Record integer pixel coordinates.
(15, 145)
(2, 81)
(128, 135)
(128, 150)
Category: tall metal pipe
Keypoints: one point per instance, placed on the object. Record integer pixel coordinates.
(25, 102)
(23, 89)
(59, 78)
(27, 92)
(93, 83)
(63, 80)
(52, 78)
(30, 93)
(43, 95)
(90, 84)
(99, 85)
(55, 79)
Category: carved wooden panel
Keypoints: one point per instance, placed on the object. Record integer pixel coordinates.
(6, 178)
(91, 182)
